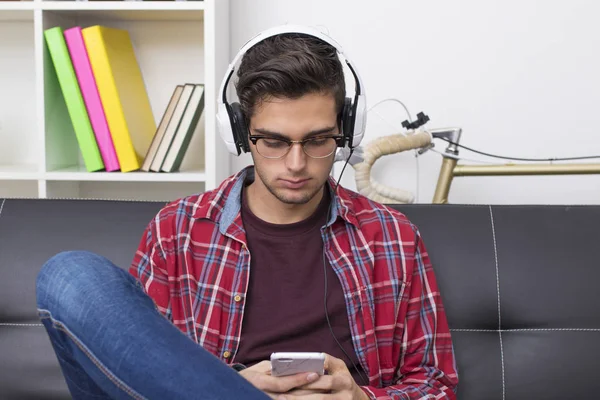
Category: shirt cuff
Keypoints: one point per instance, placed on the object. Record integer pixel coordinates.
(238, 367)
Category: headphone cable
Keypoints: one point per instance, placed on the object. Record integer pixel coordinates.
(325, 275)
(518, 158)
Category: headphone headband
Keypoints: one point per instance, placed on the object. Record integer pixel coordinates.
(357, 115)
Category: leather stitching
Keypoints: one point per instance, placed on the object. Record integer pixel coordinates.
(498, 289)
(530, 330)
(452, 330)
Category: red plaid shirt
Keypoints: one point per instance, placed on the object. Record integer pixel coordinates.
(193, 261)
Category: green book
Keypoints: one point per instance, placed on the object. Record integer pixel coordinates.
(57, 47)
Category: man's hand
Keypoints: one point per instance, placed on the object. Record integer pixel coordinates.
(337, 384)
(260, 376)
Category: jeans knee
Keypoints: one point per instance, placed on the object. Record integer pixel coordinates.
(64, 276)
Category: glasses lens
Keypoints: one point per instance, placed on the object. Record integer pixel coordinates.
(320, 147)
(271, 148)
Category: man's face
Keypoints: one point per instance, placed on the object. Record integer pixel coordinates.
(296, 177)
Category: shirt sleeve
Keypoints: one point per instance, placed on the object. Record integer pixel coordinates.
(149, 266)
(427, 366)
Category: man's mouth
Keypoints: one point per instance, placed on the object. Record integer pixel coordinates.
(294, 183)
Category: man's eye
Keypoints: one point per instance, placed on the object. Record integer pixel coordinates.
(318, 142)
(274, 144)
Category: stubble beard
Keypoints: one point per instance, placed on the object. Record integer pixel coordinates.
(301, 197)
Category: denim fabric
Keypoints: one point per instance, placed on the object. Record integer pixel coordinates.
(111, 342)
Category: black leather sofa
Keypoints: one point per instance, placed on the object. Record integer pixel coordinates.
(520, 285)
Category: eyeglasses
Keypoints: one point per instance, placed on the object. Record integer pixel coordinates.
(315, 147)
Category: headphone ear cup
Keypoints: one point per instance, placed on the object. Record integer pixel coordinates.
(359, 122)
(240, 129)
(347, 122)
(225, 128)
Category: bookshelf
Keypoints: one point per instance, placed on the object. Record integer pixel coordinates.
(175, 42)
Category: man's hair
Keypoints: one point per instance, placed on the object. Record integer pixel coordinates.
(289, 65)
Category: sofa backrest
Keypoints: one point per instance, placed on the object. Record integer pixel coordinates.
(31, 231)
(519, 285)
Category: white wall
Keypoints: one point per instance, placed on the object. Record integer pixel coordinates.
(521, 78)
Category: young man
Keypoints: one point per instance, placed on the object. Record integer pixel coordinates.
(277, 258)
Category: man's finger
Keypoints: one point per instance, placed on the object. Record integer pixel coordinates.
(333, 364)
(263, 366)
(324, 382)
(313, 396)
(283, 384)
(336, 382)
(302, 392)
(295, 394)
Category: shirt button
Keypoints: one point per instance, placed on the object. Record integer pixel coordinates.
(226, 354)
(237, 298)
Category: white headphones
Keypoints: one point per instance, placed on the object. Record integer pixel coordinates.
(230, 119)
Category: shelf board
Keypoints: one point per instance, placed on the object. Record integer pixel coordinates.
(17, 5)
(22, 172)
(115, 10)
(80, 174)
(130, 10)
(16, 10)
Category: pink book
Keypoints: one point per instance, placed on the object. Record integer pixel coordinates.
(91, 97)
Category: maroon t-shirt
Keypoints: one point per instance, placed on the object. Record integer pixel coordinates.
(284, 308)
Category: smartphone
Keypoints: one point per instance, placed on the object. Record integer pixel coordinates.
(289, 363)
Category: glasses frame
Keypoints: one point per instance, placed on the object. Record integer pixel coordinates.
(339, 139)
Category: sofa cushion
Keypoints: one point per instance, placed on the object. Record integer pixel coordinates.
(32, 231)
(520, 287)
(519, 284)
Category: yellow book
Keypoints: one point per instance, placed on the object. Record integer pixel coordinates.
(122, 92)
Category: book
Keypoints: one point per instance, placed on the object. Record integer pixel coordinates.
(69, 86)
(162, 127)
(185, 131)
(91, 97)
(122, 91)
(172, 127)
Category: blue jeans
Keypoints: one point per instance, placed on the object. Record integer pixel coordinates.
(111, 341)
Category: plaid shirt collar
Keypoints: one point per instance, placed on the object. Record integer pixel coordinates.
(224, 203)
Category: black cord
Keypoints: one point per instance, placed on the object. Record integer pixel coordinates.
(518, 158)
(362, 377)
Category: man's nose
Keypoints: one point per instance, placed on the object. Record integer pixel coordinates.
(296, 158)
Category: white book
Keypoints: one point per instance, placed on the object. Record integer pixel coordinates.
(185, 131)
(165, 144)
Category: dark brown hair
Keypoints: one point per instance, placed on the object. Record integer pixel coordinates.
(289, 65)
